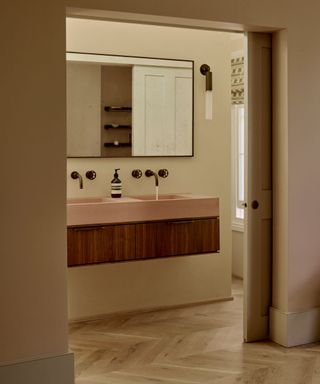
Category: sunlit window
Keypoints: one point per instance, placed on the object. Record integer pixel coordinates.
(238, 136)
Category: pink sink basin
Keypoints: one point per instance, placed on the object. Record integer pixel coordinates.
(103, 210)
(88, 200)
(161, 197)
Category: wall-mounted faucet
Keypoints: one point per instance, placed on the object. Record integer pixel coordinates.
(149, 173)
(76, 175)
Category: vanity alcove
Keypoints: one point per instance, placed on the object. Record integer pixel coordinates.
(137, 228)
(121, 106)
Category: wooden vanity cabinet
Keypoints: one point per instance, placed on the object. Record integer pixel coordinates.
(101, 244)
(121, 242)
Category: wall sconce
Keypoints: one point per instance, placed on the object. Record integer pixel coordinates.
(205, 71)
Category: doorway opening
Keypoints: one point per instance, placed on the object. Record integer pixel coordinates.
(193, 174)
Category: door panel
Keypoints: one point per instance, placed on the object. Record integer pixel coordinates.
(175, 238)
(101, 244)
(258, 176)
(84, 245)
(119, 242)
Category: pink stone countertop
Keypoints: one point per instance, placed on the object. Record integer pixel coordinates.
(105, 210)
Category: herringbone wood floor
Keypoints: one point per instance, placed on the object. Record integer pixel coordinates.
(199, 344)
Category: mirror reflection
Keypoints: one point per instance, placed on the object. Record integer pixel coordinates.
(121, 106)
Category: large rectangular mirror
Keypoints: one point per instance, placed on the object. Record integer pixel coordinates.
(124, 106)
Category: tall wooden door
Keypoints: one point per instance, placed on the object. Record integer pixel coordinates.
(258, 178)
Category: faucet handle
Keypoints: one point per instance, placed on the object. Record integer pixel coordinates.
(91, 175)
(136, 173)
(163, 172)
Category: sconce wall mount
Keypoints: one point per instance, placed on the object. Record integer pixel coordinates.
(205, 71)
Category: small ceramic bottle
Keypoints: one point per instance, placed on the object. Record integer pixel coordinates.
(116, 185)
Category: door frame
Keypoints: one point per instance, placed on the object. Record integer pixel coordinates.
(148, 19)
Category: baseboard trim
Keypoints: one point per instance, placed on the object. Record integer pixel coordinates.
(295, 328)
(49, 370)
(147, 310)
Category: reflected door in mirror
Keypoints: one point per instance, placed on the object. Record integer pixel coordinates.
(162, 104)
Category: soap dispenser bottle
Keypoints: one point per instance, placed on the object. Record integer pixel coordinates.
(116, 185)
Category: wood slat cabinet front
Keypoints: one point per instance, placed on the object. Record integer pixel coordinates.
(101, 244)
(123, 242)
(174, 238)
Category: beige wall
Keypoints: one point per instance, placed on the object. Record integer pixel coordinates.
(110, 288)
(207, 173)
(303, 159)
(280, 176)
(33, 321)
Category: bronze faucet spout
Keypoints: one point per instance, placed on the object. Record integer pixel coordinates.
(149, 173)
(76, 175)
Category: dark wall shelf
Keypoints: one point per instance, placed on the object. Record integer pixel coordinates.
(111, 108)
(116, 126)
(118, 145)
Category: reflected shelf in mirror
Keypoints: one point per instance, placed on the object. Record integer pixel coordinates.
(117, 144)
(113, 108)
(116, 126)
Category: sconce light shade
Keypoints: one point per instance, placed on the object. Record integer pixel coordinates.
(208, 105)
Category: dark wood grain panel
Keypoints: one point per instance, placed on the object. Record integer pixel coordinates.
(84, 245)
(88, 245)
(122, 242)
(177, 238)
